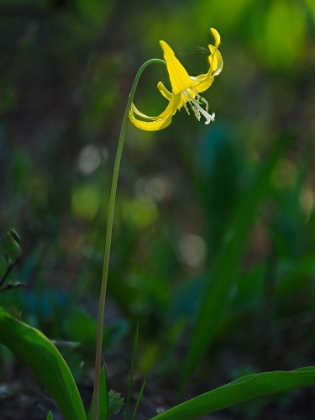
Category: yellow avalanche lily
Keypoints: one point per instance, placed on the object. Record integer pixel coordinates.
(185, 89)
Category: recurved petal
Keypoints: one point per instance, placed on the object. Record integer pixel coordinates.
(171, 107)
(203, 82)
(167, 94)
(164, 92)
(215, 60)
(136, 111)
(179, 77)
(155, 125)
(217, 37)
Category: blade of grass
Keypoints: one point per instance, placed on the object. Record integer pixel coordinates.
(132, 366)
(217, 289)
(138, 400)
(243, 389)
(103, 400)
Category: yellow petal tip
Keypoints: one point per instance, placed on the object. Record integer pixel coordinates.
(216, 36)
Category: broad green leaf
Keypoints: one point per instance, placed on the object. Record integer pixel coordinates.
(42, 357)
(103, 399)
(243, 389)
(215, 296)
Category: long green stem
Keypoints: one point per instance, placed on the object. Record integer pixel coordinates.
(111, 209)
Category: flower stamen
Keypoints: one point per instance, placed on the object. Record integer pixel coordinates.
(208, 117)
(195, 104)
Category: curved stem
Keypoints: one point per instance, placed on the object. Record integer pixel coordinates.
(111, 208)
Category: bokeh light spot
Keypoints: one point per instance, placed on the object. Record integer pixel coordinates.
(192, 250)
(140, 212)
(89, 159)
(85, 202)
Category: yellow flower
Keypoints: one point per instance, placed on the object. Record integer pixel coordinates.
(185, 89)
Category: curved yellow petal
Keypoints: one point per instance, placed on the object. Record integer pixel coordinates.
(169, 110)
(164, 92)
(202, 82)
(215, 60)
(155, 123)
(217, 37)
(150, 125)
(179, 77)
(183, 98)
(171, 107)
(135, 110)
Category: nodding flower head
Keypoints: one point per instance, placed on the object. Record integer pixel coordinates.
(185, 89)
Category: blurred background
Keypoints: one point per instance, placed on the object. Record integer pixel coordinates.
(66, 68)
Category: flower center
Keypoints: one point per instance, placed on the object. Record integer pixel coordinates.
(196, 104)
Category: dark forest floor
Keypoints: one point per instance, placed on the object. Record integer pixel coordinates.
(23, 399)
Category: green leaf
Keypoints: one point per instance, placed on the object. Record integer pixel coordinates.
(115, 402)
(42, 357)
(243, 389)
(49, 416)
(110, 402)
(216, 293)
(103, 400)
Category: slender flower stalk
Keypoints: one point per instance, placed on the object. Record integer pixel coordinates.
(185, 91)
(111, 209)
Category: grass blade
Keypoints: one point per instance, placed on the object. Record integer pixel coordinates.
(103, 399)
(138, 400)
(244, 389)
